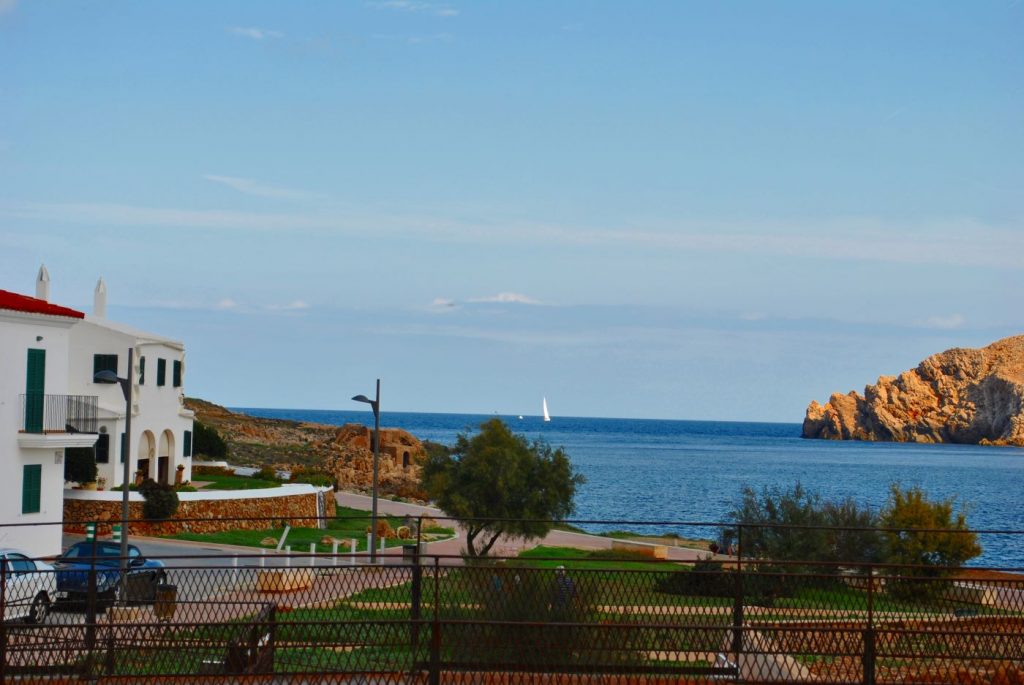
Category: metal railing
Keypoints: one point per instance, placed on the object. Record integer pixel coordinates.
(42, 413)
(434, 617)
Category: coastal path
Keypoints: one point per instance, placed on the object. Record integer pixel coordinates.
(505, 547)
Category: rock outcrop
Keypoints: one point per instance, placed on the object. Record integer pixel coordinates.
(960, 396)
(345, 452)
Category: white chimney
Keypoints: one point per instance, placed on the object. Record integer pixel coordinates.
(43, 284)
(99, 300)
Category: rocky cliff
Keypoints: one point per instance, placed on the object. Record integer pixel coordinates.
(345, 452)
(960, 395)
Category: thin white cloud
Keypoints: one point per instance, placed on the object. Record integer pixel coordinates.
(513, 298)
(254, 32)
(443, 302)
(945, 322)
(225, 303)
(955, 241)
(251, 187)
(294, 305)
(437, 9)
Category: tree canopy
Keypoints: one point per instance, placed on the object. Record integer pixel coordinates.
(498, 483)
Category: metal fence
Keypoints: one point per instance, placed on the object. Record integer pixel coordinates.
(42, 413)
(602, 615)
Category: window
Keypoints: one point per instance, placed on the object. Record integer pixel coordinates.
(161, 372)
(103, 449)
(104, 362)
(176, 374)
(31, 487)
(19, 563)
(124, 447)
(142, 370)
(187, 442)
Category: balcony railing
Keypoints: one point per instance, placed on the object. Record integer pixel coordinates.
(41, 413)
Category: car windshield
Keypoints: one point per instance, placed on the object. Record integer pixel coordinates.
(106, 553)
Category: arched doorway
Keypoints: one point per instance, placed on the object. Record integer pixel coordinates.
(147, 452)
(163, 462)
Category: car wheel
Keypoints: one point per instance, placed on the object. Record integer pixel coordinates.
(39, 609)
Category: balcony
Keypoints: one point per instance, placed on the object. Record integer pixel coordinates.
(58, 420)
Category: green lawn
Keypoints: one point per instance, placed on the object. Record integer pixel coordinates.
(349, 523)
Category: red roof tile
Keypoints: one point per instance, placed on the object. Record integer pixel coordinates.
(24, 303)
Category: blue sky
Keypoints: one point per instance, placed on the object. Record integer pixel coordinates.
(672, 210)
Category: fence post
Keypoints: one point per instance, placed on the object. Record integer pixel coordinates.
(869, 656)
(435, 630)
(3, 623)
(737, 605)
(90, 610)
(414, 610)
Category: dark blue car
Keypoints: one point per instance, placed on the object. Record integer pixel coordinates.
(144, 575)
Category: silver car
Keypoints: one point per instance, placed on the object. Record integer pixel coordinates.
(29, 589)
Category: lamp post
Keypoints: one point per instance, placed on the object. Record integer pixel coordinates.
(375, 405)
(108, 376)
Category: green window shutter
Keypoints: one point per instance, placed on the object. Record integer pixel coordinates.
(103, 449)
(142, 370)
(104, 362)
(35, 386)
(176, 374)
(187, 450)
(124, 446)
(161, 372)
(31, 488)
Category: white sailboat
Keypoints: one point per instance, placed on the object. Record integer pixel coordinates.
(547, 416)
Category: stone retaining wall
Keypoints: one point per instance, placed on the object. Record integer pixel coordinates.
(212, 514)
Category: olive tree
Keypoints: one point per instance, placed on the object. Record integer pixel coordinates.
(498, 483)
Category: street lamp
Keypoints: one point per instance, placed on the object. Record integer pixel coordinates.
(108, 376)
(375, 405)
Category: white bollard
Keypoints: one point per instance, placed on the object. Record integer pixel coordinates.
(234, 569)
(352, 552)
(263, 558)
(334, 552)
(382, 541)
(312, 554)
(369, 543)
(288, 556)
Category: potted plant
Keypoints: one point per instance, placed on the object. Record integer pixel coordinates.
(101, 483)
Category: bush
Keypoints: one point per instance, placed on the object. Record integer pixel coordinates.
(207, 441)
(161, 501)
(212, 471)
(266, 473)
(934, 554)
(80, 464)
(796, 525)
(312, 477)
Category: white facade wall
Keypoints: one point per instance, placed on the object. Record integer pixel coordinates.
(20, 332)
(159, 418)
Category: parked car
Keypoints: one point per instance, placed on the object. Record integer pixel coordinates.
(144, 575)
(30, 587)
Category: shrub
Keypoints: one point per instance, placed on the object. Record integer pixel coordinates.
(207, 441)
(312, 477)
(266, 473)
(161, 501)
(212, 471)
(934, 554)
(79, 464)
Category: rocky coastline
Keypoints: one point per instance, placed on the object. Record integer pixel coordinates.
(966, 396)
(343, 452)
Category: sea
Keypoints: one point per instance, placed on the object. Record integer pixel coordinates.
(657, 476)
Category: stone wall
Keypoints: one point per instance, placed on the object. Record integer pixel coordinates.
(212, 515)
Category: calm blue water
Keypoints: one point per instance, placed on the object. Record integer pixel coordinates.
(652, 470)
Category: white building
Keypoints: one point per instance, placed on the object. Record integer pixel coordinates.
(161, 439)
(39, 418)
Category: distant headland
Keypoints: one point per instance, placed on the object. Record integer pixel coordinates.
(967, 396)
